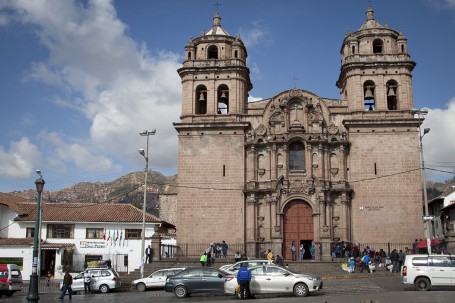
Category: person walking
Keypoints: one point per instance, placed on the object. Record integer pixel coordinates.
(244, 278)
(293, 251)
(224, 248)
(87, 279)
(302, 252)
(270, 255)
(279, 260)
(148, 254)
(203, 259)
(67, 282)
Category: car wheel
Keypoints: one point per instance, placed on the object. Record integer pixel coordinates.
(301, 290)
(140, 287)
(180, 291)
(104, 289)
(422, 284)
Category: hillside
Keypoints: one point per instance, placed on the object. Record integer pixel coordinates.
(126, 189)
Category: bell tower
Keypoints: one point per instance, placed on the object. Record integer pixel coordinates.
(211, 132)
(376, 68)
(215, 79)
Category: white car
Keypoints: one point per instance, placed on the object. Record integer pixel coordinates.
(103, 280)
(269, 279)
(155, 280)
(234, 268)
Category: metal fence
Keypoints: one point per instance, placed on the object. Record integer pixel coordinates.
(195, 250)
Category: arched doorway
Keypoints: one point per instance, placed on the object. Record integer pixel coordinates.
(298, 227)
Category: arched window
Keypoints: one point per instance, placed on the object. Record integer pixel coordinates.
(261, 165)
(296, 156)
(212, 52)
(377, 46)
(392, 95)
(201, 100)
(368, 95)
(189, 55)
(223, 100)
(236, 54)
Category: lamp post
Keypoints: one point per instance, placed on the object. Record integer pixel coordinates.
(146, 133)
(427, 221)
(33, 295)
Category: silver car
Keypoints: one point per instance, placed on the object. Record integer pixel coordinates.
(155, 280)
(269, 279)
(234, 268)
(103, 280)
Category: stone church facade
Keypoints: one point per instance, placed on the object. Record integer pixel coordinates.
(298, 166)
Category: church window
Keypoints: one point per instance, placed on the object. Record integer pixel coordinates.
(212, 52)
(368, 93)
(223, 100)
(402, 48)
(377, 46)
(236, 54)
(261, 165)
(189, 55)
(353, 50)
(201, 100)
(296, 156)
(392, 99)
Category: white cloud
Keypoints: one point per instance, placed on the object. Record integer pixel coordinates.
(254, 35)
(253, 98)
(20, 160)
(439, 143)
(119, 85)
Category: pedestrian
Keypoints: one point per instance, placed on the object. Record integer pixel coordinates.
(302, 252)
(269, 255)
(48, 279)
(244, 278)
(293, 251)
(237, 257)
(313, 251)
(394, 257)
(351, 264)
(67, 282)
(87, 279)
(148, 254)
(203, 259)
(224, 248)
(365, 263)
(400, 259)
(279, 260)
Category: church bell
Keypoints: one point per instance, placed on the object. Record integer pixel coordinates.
(369, 94)
(201, 97)
(223, 95)
(391, 92)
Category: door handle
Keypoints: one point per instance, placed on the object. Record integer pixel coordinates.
(268, 279)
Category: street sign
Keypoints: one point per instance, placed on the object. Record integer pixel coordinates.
(428, 218)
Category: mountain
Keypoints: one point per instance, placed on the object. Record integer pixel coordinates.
(435, 189)
(126, 189)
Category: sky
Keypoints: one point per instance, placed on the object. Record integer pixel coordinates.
(80, 79)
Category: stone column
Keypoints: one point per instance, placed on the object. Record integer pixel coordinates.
(156, 247)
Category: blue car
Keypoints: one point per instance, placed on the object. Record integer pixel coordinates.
(196, 280)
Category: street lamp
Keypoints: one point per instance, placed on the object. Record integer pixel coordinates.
(33, 295)
(427, 222)
(144, 206)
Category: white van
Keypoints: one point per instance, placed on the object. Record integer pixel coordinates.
(425, 271)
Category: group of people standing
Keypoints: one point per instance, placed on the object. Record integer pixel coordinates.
(301, 251)
(214, 251)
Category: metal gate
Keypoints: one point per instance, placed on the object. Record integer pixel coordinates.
(298, 227)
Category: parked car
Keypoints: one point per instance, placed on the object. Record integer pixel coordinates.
(103, 280)
(268, 279)
(234, 268)
(196, 280)
(10, 279)
(155, 280)
(426, 271)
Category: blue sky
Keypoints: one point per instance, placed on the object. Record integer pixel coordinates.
(81, 79)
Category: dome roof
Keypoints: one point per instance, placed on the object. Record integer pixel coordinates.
(217, 29)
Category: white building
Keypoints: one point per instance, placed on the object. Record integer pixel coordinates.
(73, 234)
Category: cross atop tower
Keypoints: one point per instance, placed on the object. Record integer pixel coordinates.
(217, 4)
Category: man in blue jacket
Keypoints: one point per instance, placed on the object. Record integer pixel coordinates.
(244, 278)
